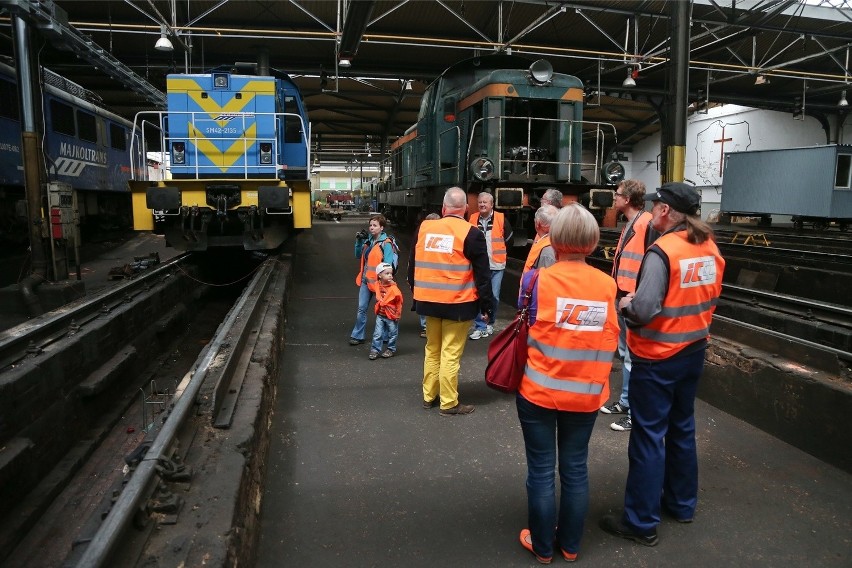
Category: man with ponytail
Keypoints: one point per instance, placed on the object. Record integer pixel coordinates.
(668, 321)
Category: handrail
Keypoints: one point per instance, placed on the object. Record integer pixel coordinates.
(197, 117)
(586, 126)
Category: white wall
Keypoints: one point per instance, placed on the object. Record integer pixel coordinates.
(744, 129)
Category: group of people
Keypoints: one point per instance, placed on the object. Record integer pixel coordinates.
(655, 309)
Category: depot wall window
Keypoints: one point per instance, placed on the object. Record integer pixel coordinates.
(62, 118)
(843, 174)
(8, 101)
(87, 128)
(117, 137)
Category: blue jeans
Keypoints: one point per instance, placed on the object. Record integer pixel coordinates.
(546, 430)
(386, 330)
(662, 451)
(364, 297)
(626, 362)
(496, 281)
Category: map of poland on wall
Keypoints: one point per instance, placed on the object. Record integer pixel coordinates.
(713, 142)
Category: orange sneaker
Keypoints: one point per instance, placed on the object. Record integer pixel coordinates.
(526, 542)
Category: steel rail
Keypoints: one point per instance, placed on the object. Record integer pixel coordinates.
(843, 313)
(47, 328)
(143, 480)
(839, 353)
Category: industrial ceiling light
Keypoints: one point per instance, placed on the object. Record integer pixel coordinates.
(164, 43)
(761, 80)
(629, 82)
(344, 62)
(408, 86)
(843, 102)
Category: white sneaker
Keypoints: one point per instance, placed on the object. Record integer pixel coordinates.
(476, 335)
(489, 330)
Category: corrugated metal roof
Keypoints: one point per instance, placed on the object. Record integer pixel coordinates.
(801, 49)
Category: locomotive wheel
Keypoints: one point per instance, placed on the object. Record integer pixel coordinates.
(820, 225)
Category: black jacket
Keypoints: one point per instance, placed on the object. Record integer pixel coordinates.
(476, 252)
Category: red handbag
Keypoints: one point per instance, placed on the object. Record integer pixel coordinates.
(507, 352)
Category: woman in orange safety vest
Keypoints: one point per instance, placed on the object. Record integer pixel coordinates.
(572, 337)
(371, 247)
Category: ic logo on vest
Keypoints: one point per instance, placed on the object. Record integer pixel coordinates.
(699, 271)
(438, 243)
(580, 315)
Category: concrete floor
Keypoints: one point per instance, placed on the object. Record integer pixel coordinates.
(360, 475)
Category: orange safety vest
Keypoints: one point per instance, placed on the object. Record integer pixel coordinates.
(497, 244)
(374, 258)
(571, 343)
(442, 273)
(535, 252)
(695, 282)
(628, 256)
(388, 301)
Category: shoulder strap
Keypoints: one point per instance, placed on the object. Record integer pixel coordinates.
(529, 290)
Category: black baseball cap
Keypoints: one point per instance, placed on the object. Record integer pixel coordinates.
(677, 195)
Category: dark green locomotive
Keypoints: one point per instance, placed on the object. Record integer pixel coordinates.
(508, 126)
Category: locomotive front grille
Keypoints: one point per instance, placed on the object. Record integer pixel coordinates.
(229, 192)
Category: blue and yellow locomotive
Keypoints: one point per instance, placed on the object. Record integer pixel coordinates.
(237, 149)
(505, 125)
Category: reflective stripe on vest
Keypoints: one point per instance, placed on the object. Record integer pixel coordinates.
(572, 342)
(374, 258)
(535, 252)
(442, 273)
(628, 256)
(695, 282)
(496, 240)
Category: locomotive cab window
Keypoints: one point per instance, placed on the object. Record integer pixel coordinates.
(8, 101)
(292, 125)
(843, 173)
(87, 127)
(117, 137)
(62, 117)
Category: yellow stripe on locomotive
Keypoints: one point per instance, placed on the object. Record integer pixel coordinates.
(238, 155)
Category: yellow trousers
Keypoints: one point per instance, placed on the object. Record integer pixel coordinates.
(445, 341)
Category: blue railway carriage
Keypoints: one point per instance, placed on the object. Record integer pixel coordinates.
(508, 126)
(236, 153)
(84, 146)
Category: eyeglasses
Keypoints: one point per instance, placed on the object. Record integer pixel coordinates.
(619, 194)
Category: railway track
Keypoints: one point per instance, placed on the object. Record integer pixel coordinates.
(136, 463)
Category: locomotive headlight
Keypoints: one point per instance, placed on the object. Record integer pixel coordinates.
(265, 153)
(541, 71)
(178, 153)
(613, 172)
(482, 169)
(220, 81)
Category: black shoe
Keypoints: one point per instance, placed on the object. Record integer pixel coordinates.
(668, 512)
(430, 404)
(353, 341)
(613, 525)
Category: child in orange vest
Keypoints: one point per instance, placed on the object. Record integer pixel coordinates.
(388, 311)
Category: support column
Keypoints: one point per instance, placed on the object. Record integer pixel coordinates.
(674, 123)
(31, 155)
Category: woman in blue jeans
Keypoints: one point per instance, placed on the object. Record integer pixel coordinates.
(572, 337)
(373, 247)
